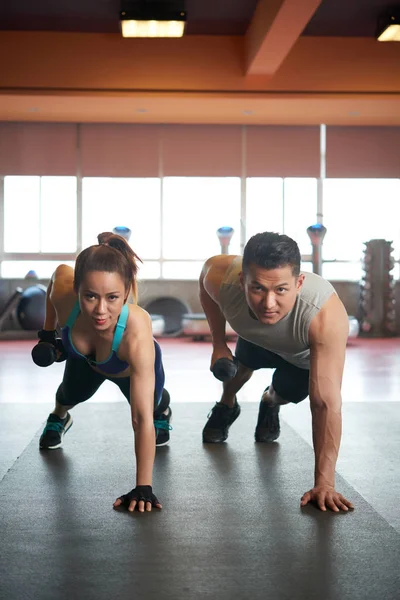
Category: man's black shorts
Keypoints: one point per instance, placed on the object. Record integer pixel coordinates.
(290, 382)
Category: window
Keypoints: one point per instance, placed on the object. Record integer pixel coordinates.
(19, 268)
(182, 270)
(150, 269)
(40, 214)
(300, 210)
(264, 205)
(135, 203)
(193, 209)
(356, 211)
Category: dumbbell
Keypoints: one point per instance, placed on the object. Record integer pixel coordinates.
(45, 353)
(225, 369)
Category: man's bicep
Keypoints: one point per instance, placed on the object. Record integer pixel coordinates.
(327, 356)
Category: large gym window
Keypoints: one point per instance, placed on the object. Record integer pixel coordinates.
(356, 211)
(182, 269)
(300, 210)
(193, 209)
(40, 214)
(17, 269)
(283, 205)
(135, 203)
(264, 205)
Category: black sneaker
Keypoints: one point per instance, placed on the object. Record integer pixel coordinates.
(220, 419)
(163, 427)
(268, 428)
(54, 432)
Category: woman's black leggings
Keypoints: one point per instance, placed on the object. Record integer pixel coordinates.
(80, 382)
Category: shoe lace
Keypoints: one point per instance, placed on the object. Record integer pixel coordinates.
(161, 424)
(54, 426)
(219, 413)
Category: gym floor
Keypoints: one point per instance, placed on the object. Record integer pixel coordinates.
(231, 526)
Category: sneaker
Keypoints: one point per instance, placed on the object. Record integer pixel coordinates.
(54, 432)
(268, 427)
(163, 427)
(220, 419)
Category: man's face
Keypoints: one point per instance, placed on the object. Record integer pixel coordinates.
(270, 293)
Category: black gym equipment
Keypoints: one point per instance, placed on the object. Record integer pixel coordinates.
(50, 349)
(9, 306)
(31, 309)
(172, 310)
(28, 306)
(225, 369)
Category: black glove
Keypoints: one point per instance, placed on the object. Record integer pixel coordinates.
(140, 492)
(50, 349)
(225, 369)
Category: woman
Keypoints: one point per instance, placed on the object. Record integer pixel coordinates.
(104, 337)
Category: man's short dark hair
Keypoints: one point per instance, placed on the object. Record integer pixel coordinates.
(270, 250)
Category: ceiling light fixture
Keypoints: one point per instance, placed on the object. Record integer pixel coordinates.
(152, 19)
(389, 26)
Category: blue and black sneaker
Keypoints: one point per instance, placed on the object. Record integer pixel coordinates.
(163, 427)
(54, 432)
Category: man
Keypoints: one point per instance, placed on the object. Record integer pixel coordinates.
(291, 322)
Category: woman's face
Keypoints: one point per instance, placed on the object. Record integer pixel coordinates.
(101, 297)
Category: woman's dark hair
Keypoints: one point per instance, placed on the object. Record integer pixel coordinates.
(272, 251)
(113, 254)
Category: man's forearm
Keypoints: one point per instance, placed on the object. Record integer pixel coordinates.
(327, 432)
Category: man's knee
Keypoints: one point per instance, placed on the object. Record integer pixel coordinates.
(243, 373)
(271, 396)
(290, 397)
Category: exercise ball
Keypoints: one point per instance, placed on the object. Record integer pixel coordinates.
(31, 308)
(172, 310)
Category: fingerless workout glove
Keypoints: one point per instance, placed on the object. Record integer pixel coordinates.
(140, 492)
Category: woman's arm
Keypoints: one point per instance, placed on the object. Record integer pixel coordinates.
(59, 292)
(141, 356)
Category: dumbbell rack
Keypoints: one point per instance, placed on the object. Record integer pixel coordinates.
(377, 293)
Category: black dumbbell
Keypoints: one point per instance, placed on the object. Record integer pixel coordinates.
(225, 369)
(45, 354)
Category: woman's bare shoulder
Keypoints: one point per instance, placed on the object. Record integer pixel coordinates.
(139, 320)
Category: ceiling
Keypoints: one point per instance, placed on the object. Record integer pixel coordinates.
(205, 17)
(356, 18)
(353, 18)
(240, 62)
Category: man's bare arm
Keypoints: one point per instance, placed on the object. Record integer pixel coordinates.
(328, 337)
(210, 281)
